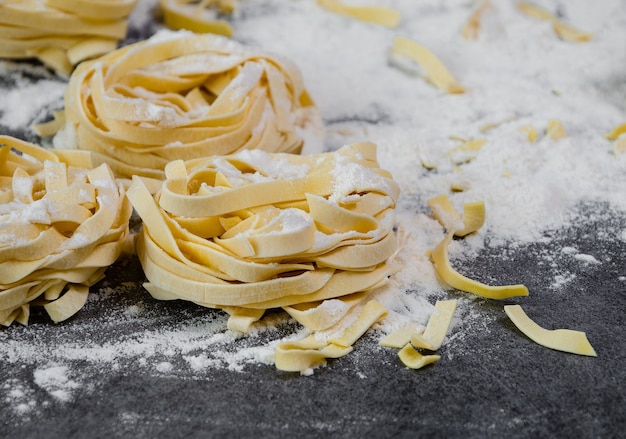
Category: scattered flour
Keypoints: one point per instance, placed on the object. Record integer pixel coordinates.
(54, 379)
(517, 74)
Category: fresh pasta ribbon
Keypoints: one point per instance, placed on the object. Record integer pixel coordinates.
(435, 71)
(263, 230)
(180, 95)
(408, 338)
(62, 33)
(413, 359)
(303, 355)
(192, 15)
(472, 26)
(565, 340)
(457, 280)
(61, 225)
(562, 29)
(372, 14)
(473, 219)
(555, 130)
(466, 151)
(616, 132)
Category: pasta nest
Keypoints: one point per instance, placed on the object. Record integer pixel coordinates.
(260, 230)
(61, 225)
(180, 95)
(62, 33)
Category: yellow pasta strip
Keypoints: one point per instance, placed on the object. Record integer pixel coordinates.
(241, 319)
(460, 282)
(562, 29)
(369, 315)
(555, 130)
(472, 26)
(177, 15)
(400, 337)
(435, 71)
(472, 220)
(565, 340)
(371, 14)
(413, 359)
(616, 132)
(68, 304)
(437, 326)
(320, 316)
(530, 131)
(308, 353)
(302, 356)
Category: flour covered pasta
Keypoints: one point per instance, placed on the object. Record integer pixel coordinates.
(61, 225)
(181, 95)
(259, 230)
(62, 33)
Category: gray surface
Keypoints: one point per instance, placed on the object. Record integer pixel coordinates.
(493, 383)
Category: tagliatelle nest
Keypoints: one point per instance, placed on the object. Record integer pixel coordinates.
(61, 225)
(181, 95)
(62, 33)
(256, 230)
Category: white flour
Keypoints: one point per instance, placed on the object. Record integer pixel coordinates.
(518, 73)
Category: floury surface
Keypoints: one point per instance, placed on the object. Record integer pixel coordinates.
(128, 365)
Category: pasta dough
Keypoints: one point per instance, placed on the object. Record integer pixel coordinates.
(62, 33)
(260, 230)
(180, 95)
(473, 219)
(565, 340)
(434, 70)
(191, 15)
(562, 29)
(61, 226)
(371, 14)
(257, 230)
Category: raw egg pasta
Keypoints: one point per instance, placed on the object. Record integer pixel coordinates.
(180, 95)
(257, 230)
(62, 33)
(61, 225)
(197, 16)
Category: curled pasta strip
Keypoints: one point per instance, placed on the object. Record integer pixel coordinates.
(61, 225)
(435, 71)
(191, 15)
(473, 219)
(303, 355)
(62, 33)
(371, 14)
(563, 30)
(257, 230)
(181, 95)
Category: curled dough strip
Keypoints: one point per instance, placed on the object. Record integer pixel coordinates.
(61, 225)
(62, 33)
(563, 30)
(181, 95)
(288, 230)
(565, 340)
(310, 352)
(179, 14)
(371, 14)
(460, 282)
(434, 70)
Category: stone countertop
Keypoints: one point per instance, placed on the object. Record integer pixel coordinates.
(491, 381)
